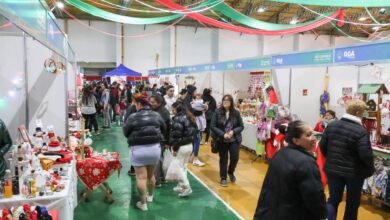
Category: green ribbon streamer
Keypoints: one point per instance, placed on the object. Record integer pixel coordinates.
(90, 9)
(340, 3)
(254, 23)
(372, 17)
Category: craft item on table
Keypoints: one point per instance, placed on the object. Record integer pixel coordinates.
(273, 98)
(324, 102)
(23, 152)
(50, 132)
(54, 145)
(87, 147)
(280, 131)
(38, 137)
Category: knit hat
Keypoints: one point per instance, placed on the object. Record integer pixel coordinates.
(54, 146)
(191, 89)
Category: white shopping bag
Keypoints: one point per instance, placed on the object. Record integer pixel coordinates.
(175, 172)
(167, 160)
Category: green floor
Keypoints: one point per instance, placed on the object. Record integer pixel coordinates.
(200, 205)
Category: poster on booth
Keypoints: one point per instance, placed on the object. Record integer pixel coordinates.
(259, 80)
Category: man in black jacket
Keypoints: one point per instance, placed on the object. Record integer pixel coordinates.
(349, 159)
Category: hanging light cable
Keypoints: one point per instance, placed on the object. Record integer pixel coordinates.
(120, 36)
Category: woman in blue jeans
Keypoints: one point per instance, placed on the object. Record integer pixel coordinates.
(349, 159)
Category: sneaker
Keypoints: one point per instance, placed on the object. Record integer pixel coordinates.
(198, 163)
(206, 143)
(149, 198)
(158, 185)
(97, 133)
(185, 192)
(141, 206)
(224, 183)
(232, 177)
(178, 189)
(201, 143)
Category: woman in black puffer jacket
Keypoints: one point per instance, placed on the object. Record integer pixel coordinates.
(181, 138)
(144, 131)
(292, 187)
(157, 103)
(227, 126)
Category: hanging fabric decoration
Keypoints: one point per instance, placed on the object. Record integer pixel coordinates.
(254, 23)
(213, 22)
(340, 21)
(340, 3)
(90, 9)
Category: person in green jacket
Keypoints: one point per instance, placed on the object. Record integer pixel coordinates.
(5, 145)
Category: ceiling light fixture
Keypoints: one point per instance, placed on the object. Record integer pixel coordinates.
(376, 28)
(294, 21)
(60, 4)
(363, 18)
(260, 10)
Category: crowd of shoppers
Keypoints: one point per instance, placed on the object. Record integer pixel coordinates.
(155, 121)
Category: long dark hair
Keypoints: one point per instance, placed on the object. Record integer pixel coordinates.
(159, 99)
(294, 130)
(87, 93)
(231, 108)
(180, 108)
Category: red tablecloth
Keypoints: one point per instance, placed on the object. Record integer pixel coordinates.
(95, 170)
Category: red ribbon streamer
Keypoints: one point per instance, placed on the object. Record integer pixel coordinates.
(204, 19)
(340, 21)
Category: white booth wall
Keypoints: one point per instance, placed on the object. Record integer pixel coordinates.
(27, 91)
(12, 83)
(46, 91)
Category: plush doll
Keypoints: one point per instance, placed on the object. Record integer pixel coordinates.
(54, 145)
(262, 130)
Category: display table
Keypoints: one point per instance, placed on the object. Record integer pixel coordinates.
(64, 201)
(94, 172)
(249, 136)
(381, 152)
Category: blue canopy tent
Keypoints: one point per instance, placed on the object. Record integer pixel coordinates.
(122, 70)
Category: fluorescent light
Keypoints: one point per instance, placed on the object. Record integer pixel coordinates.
(261, 10)
(363, 18)
(60, 5)
(11, 93)
(293, 21)
(376, 28)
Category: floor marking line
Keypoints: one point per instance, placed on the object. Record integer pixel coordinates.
(216, 195)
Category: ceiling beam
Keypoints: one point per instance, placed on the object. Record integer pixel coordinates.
(275, 17)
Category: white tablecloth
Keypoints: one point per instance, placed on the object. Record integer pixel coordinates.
(249, 136)
(65, 201)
